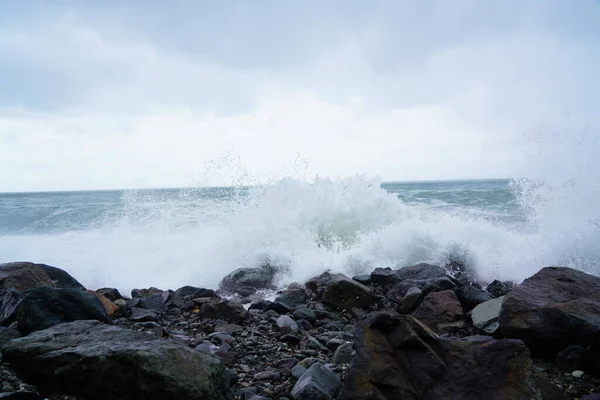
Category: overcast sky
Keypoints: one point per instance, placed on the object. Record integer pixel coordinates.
(148, 93)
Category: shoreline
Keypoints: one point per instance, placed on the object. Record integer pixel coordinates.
(311, 340)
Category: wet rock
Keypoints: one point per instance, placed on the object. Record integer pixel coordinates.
(298, 371)
(343, 354)
(143, 315)
(23, 276)
(227, 354)
(290, 339)
(284, 322)
(9, 300)
(410, 300)
(267, 376)
(399, 289)
(397, 357)
(98, 361)
(382, 276)
(549, 307)
(362, 279)
(110, 293)
(314, 284)
(317, 383)
(439, 308)
(280, 308)
(249, 280)
(61, 278)
(223, 309)
(470, 297)
(7, 334)
(334, 343)
(498, 288)
(572, 358)
(194, 293)
(293, 298)
(344, 293)
(261, 305)
(141, 293)
(485, 315)
(420, 272)
(305, 313)
(44, 307)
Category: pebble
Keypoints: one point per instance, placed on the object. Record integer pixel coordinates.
(577, 374)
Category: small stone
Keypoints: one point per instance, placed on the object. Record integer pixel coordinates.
(333, 344)
(286, 321)
(410, 299)
(290, 339)
(343, 354)
(305, 313)
(316, 383)
(577, 374)
(298, 371)
(267, 376)
(142, 315)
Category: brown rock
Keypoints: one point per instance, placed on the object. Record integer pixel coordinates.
(439, 308)
(112, 310)
(551, 310)
(23, 276)
(345, 293)
(399, 358)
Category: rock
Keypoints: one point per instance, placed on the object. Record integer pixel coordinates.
(9, 300)
(121, 303)
(285, 322)
(194, 292)
(333, 344)
(221, 337)
(344, 293)
(21, 395)
(305, 313)
(577, 374)
(226, 310)
(23, 276)
(547, 309)
(7, 334)
(92, 360)
(293, 298)
(317, 383)
(110, 293)
(298, 371)
(470, 297)
(485, 315)
(229, 328)
(498, 288)
(227, 354)
(279, 308)
(141, 293)
(112, 310)
(290, 339)
(143, 315)
(397, 357)
(572, 358)
(249, 279)
(399, 289)
(44, 307)
(362, 279)
(439, 308)
(410, 300)
(61, 278)
(320, 281)
(382, 276)
(343, 354)
(420, 272)
(267, 376)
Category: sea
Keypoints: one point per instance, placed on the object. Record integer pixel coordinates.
(168, 238)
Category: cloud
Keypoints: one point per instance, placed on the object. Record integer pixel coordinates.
(143, 95)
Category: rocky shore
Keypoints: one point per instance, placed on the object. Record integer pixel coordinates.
(416, 332)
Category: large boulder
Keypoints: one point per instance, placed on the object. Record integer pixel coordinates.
(317, 383)
(23, 276)
(226, 310)
(91, 360)
(399, 358)
(470, 296)
(420, 272)
(9, 300)
(195, 292)
(61, 278)
(44, 307)
(246, 281)
(439, 308)
(554, 308)
(345, 293)
(292, 298)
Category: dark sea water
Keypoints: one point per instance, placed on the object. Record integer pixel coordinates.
(172, 237)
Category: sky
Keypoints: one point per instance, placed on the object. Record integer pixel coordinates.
(146, 93)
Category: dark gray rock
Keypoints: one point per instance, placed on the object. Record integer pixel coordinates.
(343, 354)
(110, 293)
(420, 272)
(9, 300)
(572, 358)
(280, 308)
(141, 293)
(498, 288)
(551, 310)
(194, 292)
(382, 276)
(290, 339)
(470, 297)
(21, 395)
(61, 278)
(344, 293)
(439, 308)
(267, 376)
(92, 360)
(410, 300)
(398, 358)
(7, 334)
(223, 309)
(293, 298)
(305, 313)
(314, 284)
(143, 315)
(44, 307)
(362, 279)
(298, 371)
(285, 322)
(249, 280)
(317, 383)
